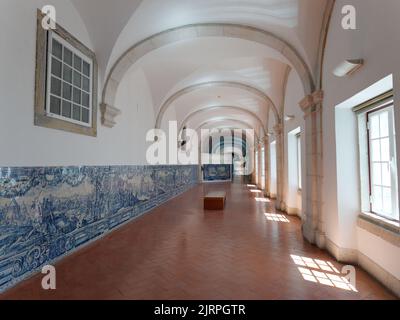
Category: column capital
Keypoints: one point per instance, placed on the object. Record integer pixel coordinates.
(309, 102)
(278, 129)
(318, 96)
(108, 115)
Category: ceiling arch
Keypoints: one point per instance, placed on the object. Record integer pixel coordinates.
(207, 109)
(195, 87)
(195, 31)
(244, 124)
(237, 142)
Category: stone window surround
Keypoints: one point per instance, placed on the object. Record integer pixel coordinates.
(383, 228)
(40, 118)
(388, 230)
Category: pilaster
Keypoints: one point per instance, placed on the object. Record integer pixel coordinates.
(313, 223)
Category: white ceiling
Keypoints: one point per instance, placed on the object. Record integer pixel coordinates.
(192, 62)
(296, 21)
(105, 20)
(115, 26)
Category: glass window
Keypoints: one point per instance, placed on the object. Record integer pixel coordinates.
(256, 166)
(263, 168)
(299, 173)
(382, 162)
(70, 76)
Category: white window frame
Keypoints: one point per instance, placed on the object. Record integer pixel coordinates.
(257, 166)
(363, 112)
(394, 215)
(299, 171)
(52, 35)
(263, 168)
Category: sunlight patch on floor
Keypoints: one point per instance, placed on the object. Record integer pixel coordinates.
(322, 272)
(276, 217)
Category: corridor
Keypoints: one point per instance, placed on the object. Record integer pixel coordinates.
(180, 251)
(118, 117)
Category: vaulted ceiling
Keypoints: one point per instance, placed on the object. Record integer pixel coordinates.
(115, 26)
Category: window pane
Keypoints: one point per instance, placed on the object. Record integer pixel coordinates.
(77, 96)
(76, 112)
(385, 150)
(67, 56)
(67, 76)
(66, 109)
(77, 79)
(383, 171)
(86, 84)
(387, 201)
(384, 124)
(377, 199)
(68, 82)
(85, 99)
(376, 174)
(374, 126)
(55, 105)
(67, 91)
(85, 115)
(56, 86)
(56, 67)
(77, 63)
(86, 69)
(57, 49)
(375, 151)
(386, 180)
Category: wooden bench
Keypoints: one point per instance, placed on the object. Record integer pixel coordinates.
(215, 200)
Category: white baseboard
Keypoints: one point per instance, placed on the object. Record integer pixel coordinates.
(293, 211)
(353, 256)
(342, 254)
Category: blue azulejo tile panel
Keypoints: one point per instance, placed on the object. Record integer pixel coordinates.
(47, 212)
(217, 172)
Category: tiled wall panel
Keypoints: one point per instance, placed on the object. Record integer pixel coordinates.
(46, 213)
(217, 172)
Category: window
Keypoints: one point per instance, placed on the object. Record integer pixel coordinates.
(382, 162)
(273, 169)
(377, 152)
(263, 168)
(298, 145)
(69, 77)
(256, 166)
(66, 82)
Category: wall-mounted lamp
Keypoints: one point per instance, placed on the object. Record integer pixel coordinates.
(289, 117)
(348, 67)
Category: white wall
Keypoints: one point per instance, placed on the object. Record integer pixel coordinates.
(294, 93)
(272, 162)
(377, 40)
(134, 99)
(22, 143)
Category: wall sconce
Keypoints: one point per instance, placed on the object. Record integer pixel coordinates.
(348, 67)
(289, 117)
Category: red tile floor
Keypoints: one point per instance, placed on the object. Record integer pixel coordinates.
(179, 251)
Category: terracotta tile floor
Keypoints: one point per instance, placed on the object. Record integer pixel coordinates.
(178, 251)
